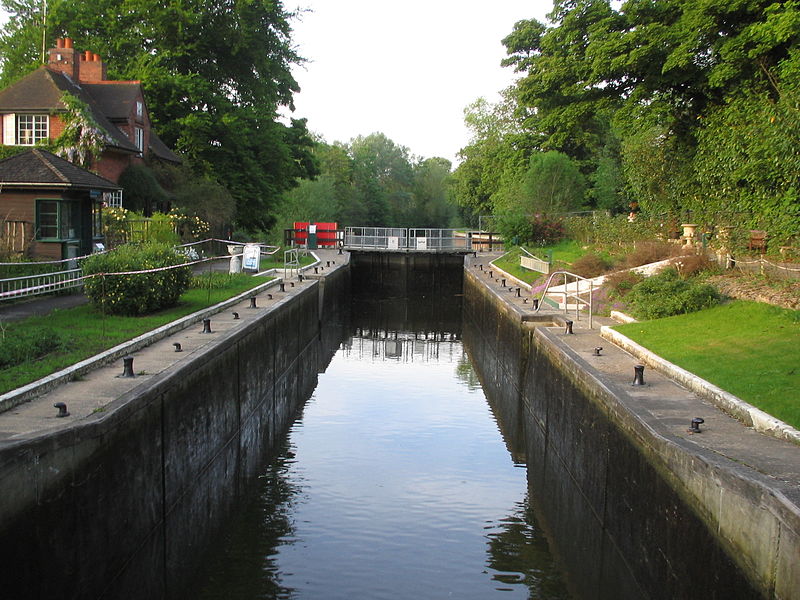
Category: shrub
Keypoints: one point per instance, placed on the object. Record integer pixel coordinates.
(692, 264)
(590, 265)
(523, 229)
(620, 283)
(138, 293)
(649, 252)
(666, 294)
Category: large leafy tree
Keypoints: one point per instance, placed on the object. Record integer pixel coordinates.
(215, 72)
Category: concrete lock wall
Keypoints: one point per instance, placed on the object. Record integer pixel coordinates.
(631, 514)
(124, 503)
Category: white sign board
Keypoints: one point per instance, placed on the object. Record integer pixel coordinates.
(394, 242)
(422, 243)
(251, 257)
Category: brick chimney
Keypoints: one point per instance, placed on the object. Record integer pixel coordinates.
(82, 67)
(64, 58)
(91, 68)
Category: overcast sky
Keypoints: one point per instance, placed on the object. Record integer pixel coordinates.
(406, 69)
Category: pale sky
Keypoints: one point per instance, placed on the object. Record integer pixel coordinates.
(407, 69)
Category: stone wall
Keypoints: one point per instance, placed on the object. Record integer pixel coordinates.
(629, 514)
(124, 504)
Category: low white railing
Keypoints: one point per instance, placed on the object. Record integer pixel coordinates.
(399, 238)
(574, 287)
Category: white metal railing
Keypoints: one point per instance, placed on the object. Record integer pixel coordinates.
(573, 293)
(44, 283)
(534, 263)
(398, 238)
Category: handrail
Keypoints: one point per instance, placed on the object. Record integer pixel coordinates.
(576, 296)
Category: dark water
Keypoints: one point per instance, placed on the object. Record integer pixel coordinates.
(395, 482)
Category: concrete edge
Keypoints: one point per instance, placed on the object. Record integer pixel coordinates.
(725, 401)
(679, 462)
(37, 388)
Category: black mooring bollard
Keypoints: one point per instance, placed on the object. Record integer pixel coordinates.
(177, 347)
(503, 282)
(252, 302)
(535, 304)
(300, 277)
(638, 375)
(283, 287)
(480, 266)
(235, 316)
(316, 271)
(597, 350)
(269, 296)
(491, 274)
(695, 427)
(327, 263)
(206, 326)
(291, 283)
(568, 326)
(519, 292)
(127, 367)
(524, 300)
(62, 409)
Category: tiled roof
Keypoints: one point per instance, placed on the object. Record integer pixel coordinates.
(42, 90)
(114, 99)
(160, 149)
(39, 168)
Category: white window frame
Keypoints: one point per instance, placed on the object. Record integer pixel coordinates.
(139, 109)
(138, 134)
(32, 129)
(113, 199)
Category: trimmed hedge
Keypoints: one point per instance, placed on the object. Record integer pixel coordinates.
(139, 293)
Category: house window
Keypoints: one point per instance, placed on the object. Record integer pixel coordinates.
(139, 109)
(113, 199)
(57, 220)
(139, 133)
(32, 129)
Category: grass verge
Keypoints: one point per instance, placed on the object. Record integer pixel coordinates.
(84, 331)
(564, 253)
(749, 349)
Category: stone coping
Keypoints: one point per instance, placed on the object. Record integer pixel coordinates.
(725, 401)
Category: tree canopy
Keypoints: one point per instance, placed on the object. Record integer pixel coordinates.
(676, 104)
(215, 74)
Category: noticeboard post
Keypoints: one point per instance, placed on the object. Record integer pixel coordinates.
(251, 257)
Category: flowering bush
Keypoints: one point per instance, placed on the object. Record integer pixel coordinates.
(137, 293)
(188, 227)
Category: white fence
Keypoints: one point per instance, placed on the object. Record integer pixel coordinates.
(398, 238)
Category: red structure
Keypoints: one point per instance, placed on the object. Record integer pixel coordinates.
(327, 234)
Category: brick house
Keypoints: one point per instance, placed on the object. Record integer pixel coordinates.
(31, 112)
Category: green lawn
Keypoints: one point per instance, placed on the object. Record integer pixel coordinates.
(749, 349)
(84, 331)
(564, 253)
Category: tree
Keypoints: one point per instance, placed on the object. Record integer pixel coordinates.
(553, 184)
(214, 75)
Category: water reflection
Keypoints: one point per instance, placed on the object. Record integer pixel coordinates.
(395, 482)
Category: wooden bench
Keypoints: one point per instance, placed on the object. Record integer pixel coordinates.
(758, 240)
